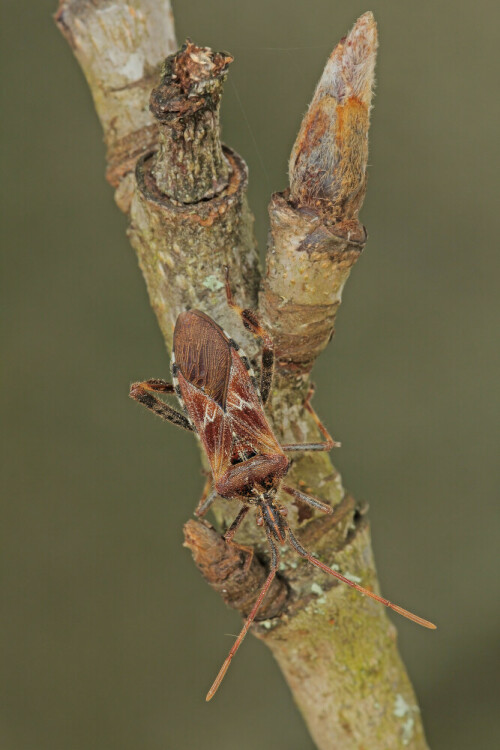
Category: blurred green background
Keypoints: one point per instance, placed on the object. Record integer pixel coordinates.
(110, 637)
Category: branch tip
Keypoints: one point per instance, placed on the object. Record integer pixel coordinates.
(329, 158)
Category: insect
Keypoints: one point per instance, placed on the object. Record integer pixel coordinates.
(224, 405)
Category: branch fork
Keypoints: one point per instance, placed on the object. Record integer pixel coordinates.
(189, 218)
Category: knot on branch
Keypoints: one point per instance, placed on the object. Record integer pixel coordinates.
(225, 567)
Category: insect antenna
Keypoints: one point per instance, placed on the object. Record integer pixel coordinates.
(270, 578)
(307, 555)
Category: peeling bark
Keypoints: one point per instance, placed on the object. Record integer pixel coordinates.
(337, 650)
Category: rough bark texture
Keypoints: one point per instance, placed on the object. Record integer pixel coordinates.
(183, 248)
(309, 262)
(190, 164)
(337, 649)
(189, 216)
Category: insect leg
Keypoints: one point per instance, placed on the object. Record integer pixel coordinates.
(158, 385)
(318, 564)
(309, 499)
(229, 535)
(251, 321)
(329, 441)
(250, 618)
(142, 392)
(207, 497)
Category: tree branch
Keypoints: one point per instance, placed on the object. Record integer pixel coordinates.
(120, 48)
(189, 218)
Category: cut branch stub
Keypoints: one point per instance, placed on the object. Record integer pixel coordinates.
(189, 215)
(183, 248)
(190, 165)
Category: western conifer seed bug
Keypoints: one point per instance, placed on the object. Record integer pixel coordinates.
(224, 405)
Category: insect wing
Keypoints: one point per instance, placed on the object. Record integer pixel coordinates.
(203, 366)
(203, 354)
(245, 410)
(218, 392)
(211, 425)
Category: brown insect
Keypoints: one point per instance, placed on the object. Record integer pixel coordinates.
(224, 405)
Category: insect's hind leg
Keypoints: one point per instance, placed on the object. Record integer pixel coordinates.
(275, 561)
(143, 393)
(252, 323)
(329, 441)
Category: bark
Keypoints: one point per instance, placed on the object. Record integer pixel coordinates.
(120, 46)
(189, 218)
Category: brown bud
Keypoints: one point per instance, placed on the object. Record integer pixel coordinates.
(329, 158)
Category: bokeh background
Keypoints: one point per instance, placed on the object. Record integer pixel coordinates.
(109, 636)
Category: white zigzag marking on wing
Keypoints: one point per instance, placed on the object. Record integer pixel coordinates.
(242, 403)
(209, 417)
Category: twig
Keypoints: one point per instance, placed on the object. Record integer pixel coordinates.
(336, 649)
(189, 216)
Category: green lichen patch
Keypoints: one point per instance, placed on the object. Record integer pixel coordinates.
(403, 710)
(316, 589)
(213, 283)
(401, 707)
